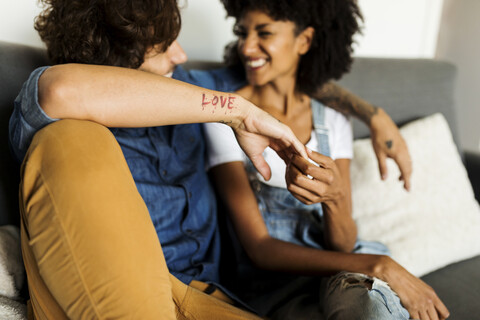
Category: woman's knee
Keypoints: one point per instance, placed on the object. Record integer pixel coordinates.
(357, 296)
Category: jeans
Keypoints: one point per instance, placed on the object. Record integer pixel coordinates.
(357, 296)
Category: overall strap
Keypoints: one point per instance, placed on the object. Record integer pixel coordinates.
(321, 130)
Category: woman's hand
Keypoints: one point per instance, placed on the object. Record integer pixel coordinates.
(388, 143)
(326, 184)
(416, 296)
(386, 139)
(260, 130)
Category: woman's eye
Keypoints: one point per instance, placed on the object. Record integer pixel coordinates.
(239, 33)
(264, 34)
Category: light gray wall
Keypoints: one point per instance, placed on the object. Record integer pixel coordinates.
(205, 31)
(16, 22)
(459, 42)
(386, 33)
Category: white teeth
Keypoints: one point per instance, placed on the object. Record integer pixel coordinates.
(256, 63)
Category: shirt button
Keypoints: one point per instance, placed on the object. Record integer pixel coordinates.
(188, 231)
(164, 172)
(190, 195)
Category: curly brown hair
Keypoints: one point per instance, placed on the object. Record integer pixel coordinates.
(107, 32)
(335, 23)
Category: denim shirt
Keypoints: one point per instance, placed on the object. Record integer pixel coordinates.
(167, 164)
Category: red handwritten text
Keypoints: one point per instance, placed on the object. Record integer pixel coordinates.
(222, 100)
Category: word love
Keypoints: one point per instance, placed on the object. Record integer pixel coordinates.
(218, 100)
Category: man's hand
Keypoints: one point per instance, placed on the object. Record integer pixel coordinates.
(260, 130)
(388, 143)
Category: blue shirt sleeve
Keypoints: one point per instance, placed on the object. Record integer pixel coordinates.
(222, 79)
(27, 117)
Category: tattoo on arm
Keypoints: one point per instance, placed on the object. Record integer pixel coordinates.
(389, 144)
(345, 102)
(225, 102)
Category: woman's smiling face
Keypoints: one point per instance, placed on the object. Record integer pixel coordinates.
(269, 49)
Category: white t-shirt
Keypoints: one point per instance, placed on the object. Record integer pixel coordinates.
(222, 146)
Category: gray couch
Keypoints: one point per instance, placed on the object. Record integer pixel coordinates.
(406, 89)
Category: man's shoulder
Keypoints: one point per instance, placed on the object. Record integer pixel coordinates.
(27, 117)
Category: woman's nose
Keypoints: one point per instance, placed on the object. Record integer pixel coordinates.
(249, 45)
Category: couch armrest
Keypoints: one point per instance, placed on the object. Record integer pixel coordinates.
(472, 164)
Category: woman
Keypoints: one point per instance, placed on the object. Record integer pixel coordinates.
(288, 49)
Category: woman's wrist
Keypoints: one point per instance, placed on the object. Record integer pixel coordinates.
(337, 202)
(377, 121)
(380, 267)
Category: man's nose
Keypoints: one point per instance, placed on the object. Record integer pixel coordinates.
(176, 53)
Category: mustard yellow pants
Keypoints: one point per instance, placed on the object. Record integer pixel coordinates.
(90, 249)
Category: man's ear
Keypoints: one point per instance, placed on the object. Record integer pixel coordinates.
(305, 39)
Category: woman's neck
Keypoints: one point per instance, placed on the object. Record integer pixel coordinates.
(281, 100)
(279, 97)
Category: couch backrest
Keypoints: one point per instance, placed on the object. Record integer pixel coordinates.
(406, 88)
(16, 63)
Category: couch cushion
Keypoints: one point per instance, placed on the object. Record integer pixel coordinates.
(458, 286)
(408, 89)
(12, 274)
(16, 61)
(438, 221)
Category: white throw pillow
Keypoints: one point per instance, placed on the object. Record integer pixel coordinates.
(438, 221)
(11, 263)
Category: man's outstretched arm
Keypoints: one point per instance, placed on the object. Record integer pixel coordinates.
(121, 97)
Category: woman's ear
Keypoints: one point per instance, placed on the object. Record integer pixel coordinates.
(305, 39)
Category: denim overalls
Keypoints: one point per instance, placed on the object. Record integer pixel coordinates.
(286, 217)
(290, 220)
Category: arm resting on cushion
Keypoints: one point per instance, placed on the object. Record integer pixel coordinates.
(472, 164)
